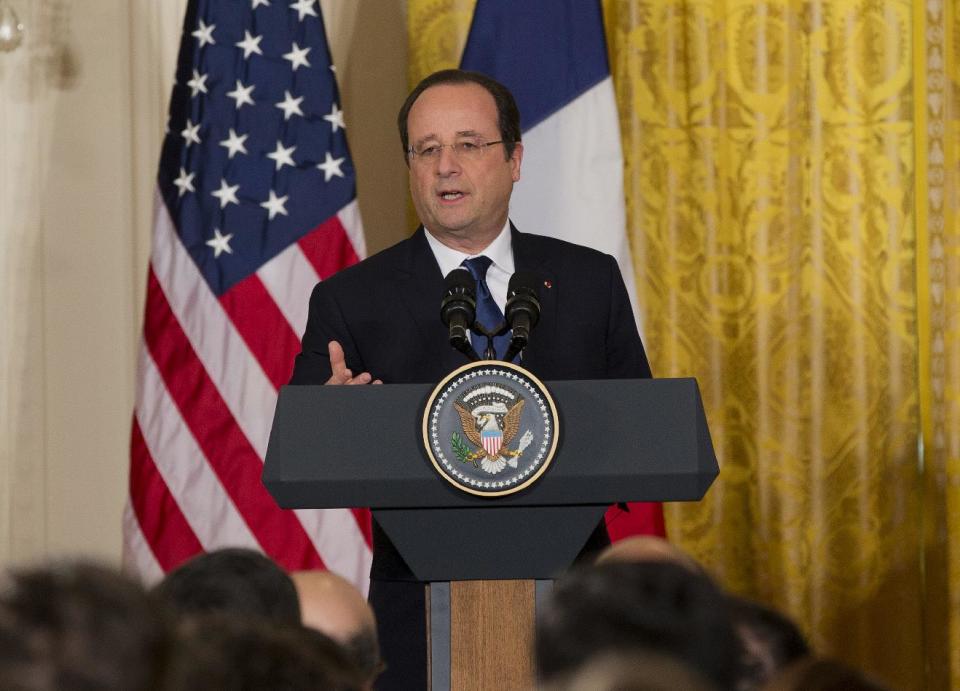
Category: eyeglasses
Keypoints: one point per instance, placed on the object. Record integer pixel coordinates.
(468, 149)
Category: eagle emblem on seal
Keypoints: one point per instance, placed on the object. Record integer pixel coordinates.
(490, 425)
(490, 428)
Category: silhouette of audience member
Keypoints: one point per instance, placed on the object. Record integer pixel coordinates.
(224, 651)
(78, 627)
(627, 608)
(637, 672)
(643, 548)
(822, 674)
(238, 581)
(332, 605)
(770, 641)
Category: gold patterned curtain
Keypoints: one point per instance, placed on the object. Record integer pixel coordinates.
(792, 196)
(937, 94)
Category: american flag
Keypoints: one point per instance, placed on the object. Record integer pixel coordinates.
(255, 204)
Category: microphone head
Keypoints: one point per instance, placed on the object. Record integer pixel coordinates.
(523, 296)
(459, 296)
(460, 279)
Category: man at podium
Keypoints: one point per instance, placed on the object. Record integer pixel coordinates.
(379, 320)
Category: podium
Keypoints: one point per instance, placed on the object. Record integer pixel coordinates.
(488, 560)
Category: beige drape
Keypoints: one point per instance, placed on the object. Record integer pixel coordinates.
(29, 80)
(66, 289)
(82, 115)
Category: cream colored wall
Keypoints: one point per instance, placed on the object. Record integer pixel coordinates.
(82, 111)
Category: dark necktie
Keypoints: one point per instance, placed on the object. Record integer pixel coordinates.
(488, 312)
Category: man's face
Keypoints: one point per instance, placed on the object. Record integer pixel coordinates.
(463, 201)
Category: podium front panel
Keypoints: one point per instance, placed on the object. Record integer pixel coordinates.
(620, 440)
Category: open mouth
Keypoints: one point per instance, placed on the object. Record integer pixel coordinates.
(451, 195)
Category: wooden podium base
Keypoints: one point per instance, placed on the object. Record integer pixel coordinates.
(480, 634)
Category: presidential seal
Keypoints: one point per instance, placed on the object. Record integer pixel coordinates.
(490, 428)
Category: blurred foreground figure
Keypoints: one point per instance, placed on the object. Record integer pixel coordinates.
(638, 672)
(220, 651)
(770, 641)
(644, 548)
(79, 627)
(631, 608)
(236, 581)
(332, 605)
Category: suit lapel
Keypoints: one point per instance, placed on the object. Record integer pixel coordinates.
(526, 258)
(419, 284)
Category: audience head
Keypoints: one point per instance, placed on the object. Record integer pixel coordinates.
(238, 581)
(644, 548)
(79, 627)
(225, 651)
(626, 608)
(332, 605)
(770, 641)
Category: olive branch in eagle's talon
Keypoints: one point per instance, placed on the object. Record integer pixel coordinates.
(462, 451)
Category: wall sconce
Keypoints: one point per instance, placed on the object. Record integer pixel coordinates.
(11, 30)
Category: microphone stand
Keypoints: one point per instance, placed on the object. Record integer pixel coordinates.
(490, 353)
(466, 347)
(516, 345)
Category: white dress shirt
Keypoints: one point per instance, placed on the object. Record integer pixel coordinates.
(500, 251)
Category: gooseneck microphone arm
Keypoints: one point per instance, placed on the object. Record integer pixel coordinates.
(522, 312)
(489, 352)
(458, 309)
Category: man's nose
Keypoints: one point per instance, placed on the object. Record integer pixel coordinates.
(449, 163)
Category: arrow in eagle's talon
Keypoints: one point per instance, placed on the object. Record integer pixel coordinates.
(524, 441)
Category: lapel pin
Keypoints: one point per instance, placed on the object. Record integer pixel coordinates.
(548, 284)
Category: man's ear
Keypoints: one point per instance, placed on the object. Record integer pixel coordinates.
(515, 159)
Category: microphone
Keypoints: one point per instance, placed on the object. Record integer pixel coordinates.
(458, 309)
(523, 310)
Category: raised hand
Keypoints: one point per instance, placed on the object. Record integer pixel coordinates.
(340, 373)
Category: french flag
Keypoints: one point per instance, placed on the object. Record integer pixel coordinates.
(552, 55)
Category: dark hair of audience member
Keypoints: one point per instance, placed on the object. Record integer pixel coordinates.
(238, 581)
(332, 605)
(363, 651)
(770, 641)
(632, 607)
(223, 651)
(79, 627)
(822, 674)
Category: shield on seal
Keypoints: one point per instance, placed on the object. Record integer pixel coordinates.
(492, 439)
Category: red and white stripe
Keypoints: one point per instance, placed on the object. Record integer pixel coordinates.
(491, 444)
(210, 369)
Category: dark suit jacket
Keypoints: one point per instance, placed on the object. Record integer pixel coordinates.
(385, 312)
